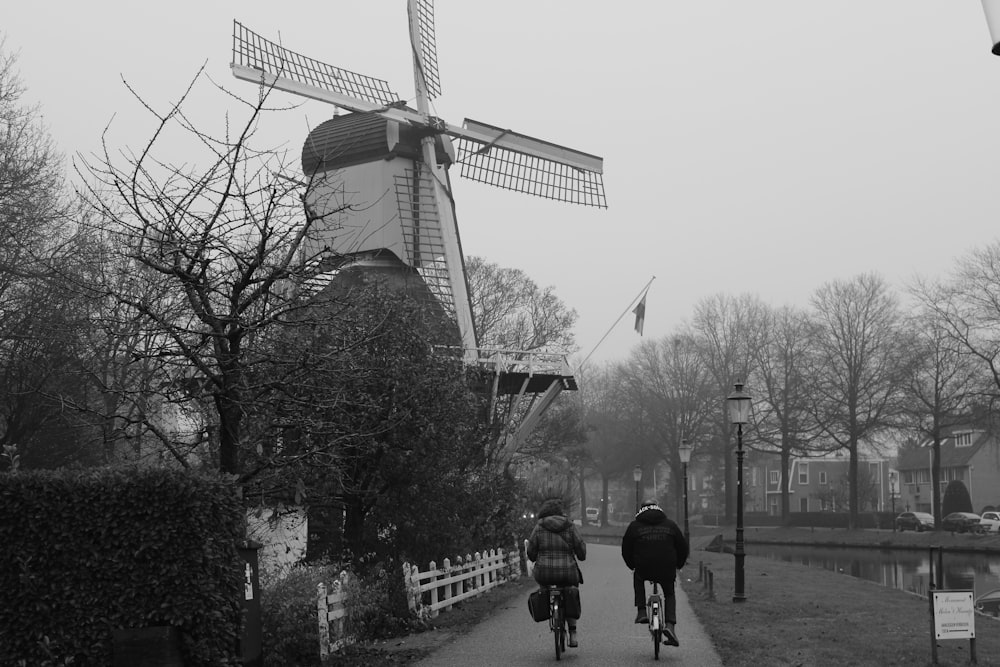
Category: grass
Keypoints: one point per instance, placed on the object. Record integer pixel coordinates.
(799, 615)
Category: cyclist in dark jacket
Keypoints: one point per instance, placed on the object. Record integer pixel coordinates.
(555, 546)
(654, 548)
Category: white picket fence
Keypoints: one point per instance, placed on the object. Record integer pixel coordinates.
(331, 608)
(469, 577)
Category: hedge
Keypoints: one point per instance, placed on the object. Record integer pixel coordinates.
(88, 552)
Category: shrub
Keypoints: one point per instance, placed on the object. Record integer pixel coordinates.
(956, 498)
(88, 552)
(288, 615)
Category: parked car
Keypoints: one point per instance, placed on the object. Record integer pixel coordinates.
(961, 522)
(989, 522)
(593, 514)
(918, 521)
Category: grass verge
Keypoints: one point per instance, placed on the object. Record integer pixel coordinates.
(798, 615)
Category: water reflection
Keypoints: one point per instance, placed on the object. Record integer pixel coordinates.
(904, 569)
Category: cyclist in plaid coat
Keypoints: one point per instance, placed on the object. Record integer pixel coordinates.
(555, 547)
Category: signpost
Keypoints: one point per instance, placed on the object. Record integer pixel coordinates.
(953, 616)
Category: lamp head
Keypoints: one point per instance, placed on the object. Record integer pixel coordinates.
(684, 451)
(637, 473)
(739, 405)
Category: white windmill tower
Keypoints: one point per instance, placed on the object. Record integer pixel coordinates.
(384, 170)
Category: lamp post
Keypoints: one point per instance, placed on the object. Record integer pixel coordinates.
(637, 476)
(684, 451)
(992, 9)
(892, 497)
(739, 414)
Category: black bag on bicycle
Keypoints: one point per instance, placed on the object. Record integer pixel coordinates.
(538, 605)
(571, 602)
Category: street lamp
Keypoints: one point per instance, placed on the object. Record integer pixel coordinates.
(992, 9)
(637, 476)
(892, 496)
(684, 451)
(739, 414)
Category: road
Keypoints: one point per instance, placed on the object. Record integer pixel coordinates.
(608, 635)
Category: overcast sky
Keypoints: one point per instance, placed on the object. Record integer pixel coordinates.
(758, 146)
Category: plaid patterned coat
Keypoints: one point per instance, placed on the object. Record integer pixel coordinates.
(555, 546)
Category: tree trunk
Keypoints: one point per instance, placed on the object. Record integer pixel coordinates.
(853, 516)
(354, 525)
(786, 475)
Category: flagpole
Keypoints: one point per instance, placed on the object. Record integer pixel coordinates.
(641, 294)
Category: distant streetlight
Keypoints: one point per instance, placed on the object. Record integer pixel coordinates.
(739, 414)
(637, 476)
(992, 9)
(892, 496)
(684, 451)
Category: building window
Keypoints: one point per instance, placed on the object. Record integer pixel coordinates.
(803, 473)
(822, 477)
(963, 439)
(773, 477)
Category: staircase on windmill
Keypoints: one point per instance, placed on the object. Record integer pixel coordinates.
(379, 177)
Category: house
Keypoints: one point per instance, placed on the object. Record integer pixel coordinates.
(969, 455)
(818, 484)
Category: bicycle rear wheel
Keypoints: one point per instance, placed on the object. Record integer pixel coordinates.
(558, 632)
(657, 638)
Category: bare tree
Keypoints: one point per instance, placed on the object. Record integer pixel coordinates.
(668, 379)
(859, 367)
(954, 356)
(209, 258)
(967, 306)
(784, 423)
(728, 329)
(513, 315)
(41, 316)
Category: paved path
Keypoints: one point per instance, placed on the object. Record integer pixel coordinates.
(608, 635)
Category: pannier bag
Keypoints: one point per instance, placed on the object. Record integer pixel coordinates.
(571, 602)
(538, 605)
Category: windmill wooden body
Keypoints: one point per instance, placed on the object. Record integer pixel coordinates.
(390, 164)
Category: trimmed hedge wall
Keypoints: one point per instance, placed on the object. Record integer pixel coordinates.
(84, 553)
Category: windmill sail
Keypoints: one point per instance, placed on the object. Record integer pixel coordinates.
(425, 55)
(499, 157)
(253, 54)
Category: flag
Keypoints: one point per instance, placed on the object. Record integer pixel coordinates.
(640, 314)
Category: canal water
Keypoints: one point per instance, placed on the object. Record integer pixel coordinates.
(904, 569)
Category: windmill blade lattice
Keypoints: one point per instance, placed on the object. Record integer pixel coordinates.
(421, 226)
(426, 55)
(520, 172)
(253, 51)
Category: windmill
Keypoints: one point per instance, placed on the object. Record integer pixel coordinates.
(384, 169)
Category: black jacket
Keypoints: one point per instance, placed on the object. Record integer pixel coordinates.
(654, 546)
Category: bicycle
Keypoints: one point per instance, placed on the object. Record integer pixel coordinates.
(657, 622)
(654, 609)
(557, 620)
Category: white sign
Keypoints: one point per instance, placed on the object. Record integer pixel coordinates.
(954, 616)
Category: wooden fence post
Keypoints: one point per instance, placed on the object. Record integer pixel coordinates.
(324, 623)
(434, 589)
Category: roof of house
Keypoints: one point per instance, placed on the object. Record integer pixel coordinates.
(952, 456)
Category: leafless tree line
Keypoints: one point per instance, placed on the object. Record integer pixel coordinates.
(859, 370)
